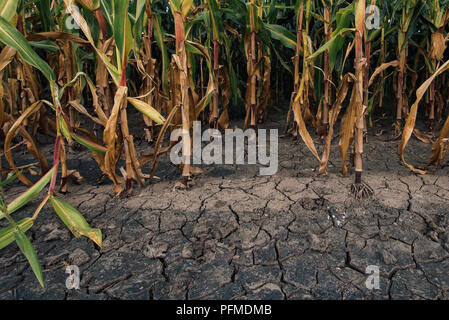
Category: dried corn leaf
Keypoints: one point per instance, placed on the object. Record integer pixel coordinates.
(382, 68)
(411, 120)
(333, 116)
(18, 125)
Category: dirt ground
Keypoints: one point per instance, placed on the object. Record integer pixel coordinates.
(238, 235)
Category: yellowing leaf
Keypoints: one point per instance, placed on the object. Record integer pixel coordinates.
(147, 110)
(8, 8)
(75, 221)
(186, 5)
(411, 120)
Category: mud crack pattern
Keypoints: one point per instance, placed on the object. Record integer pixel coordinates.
(237, 235)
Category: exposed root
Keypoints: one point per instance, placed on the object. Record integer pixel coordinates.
(361, 191)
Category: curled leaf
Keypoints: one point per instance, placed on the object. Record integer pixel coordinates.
(411, 120)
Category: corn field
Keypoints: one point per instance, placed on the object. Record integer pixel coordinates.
(72, 70)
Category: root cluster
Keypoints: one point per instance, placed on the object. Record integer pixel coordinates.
(361, 191)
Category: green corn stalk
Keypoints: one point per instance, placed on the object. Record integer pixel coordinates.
(408, 13)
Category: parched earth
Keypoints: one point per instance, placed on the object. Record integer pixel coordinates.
(238, 235)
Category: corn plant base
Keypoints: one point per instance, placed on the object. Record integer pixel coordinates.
(186, 184)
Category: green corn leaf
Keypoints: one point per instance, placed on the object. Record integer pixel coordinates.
(122, 31)
(45, 45)
(281, 60)
(7, 234)
(8, 8)
(138, 19)
(88, 143)
(90, 4)
(217, 23)
(10, 179)
(13, 38)
(32, 192)
(69, 134)
(106, 8)
(136, 10)
(28, 250)
(159, 35)
(329, 44)
(45, 14)
(75, 221)
(176, 4)
(343, 20)
(64, 129)
(280, 33)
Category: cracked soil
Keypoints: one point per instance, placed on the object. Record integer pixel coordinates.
(238, 235)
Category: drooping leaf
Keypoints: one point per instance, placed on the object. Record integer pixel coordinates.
(18, 126)
(95, 147)
(115, 74)
(30, 253)
(331, 42)
(7, 234)
(75, 221)
(147, 110)
(29, 195)
(13, 38)
(411, 119)
(280, 33)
